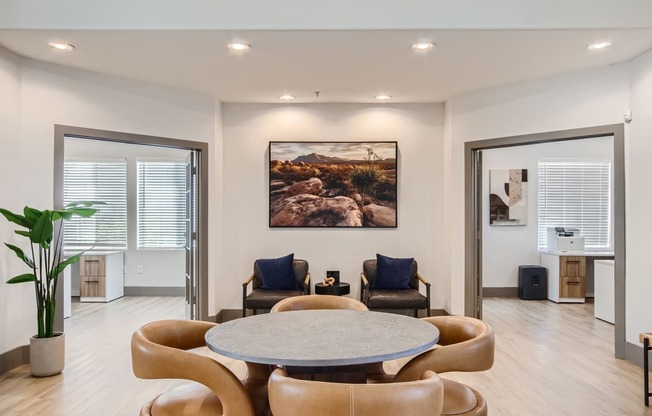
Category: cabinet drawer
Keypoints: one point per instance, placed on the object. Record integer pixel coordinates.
(93, 286)
(92, 266)
(571, 287)
(572, 266)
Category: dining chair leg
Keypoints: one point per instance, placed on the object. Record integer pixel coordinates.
(646, 369)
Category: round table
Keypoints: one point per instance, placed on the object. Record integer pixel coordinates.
(322, 338)
(337, 289)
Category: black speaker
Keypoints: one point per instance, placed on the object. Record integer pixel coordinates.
(532, 283)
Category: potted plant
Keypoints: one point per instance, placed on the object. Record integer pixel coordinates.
(45, 261)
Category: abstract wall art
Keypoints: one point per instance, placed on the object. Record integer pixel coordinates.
(508, 193)
(333, 184)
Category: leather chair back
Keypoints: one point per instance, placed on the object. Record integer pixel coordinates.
(369, 270)
(300, 271)
(465, 344)
(294, 397)
(310, 302)
(159, 350)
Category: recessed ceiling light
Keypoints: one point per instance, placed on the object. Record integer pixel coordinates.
(423, 46)
(286, 97)
(238, 46)
(597, 46)
(61, 46)
(383, 97)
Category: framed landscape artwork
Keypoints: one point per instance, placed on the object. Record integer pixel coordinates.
(508, 193)
(333, 184)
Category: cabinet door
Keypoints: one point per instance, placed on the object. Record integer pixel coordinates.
(93, 286)
(92, 266)
(571, 287)
(572, 266)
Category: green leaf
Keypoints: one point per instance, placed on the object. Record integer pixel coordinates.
(22, 232)
(61, 214)
(32, 215)
(82, 212)
(15, 218)
(61, 266)
(78, 204)
(21, 254)
(27, 277)
(42, 231)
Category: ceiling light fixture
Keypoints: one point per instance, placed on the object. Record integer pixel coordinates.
(423, 46)
(238, 46)
(383, 97)
(61, 46)
(598, 46)
(286, 97)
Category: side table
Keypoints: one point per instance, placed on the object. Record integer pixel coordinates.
(338, 289)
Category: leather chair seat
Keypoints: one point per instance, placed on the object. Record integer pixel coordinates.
(266, 299)
(187, 399)
(460, 399)
(397, 299)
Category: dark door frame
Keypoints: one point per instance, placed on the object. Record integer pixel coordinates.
(473, 220)
(61, 131)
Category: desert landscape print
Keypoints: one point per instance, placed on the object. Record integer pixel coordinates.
(332, 184)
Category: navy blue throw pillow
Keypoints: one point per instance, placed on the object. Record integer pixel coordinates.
(278, 274)
(392, 274)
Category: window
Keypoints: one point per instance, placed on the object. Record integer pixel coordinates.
(104, 181)
(161, 204)
(576, 194)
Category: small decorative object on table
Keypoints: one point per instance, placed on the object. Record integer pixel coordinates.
(328, 281)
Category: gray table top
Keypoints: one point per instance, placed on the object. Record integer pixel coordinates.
(322, 337)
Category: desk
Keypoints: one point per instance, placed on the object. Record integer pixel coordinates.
(570, 273)
(322, 338)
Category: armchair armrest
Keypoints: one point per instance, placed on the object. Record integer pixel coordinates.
(427, 284)
(306, 284)
(244, 293)
(364, 289)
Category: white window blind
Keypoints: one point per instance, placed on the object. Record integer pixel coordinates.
(104, 181)
(161, 204)
(576, 194)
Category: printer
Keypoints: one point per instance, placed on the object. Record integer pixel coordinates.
(565, 238)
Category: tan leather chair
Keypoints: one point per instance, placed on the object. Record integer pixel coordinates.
(260, 298)
(310, 302)
(465, 344)
(160, 350)
(292, 397)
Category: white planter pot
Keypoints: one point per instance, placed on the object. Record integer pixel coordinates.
(47, 355)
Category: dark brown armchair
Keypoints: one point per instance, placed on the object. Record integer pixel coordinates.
(261, 298)
(409, 298)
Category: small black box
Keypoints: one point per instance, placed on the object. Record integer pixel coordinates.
(532, 283)
(335, 274)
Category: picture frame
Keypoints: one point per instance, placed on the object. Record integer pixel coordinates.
(343, 184)
(508, 197)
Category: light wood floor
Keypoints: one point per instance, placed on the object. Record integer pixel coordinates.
(550, 360)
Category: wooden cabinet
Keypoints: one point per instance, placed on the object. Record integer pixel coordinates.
(572, 277)
(101, 277)
(566, 277)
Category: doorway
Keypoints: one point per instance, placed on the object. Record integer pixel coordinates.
(195, 247)
(473, 214)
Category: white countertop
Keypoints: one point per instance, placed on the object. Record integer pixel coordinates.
(587, 253)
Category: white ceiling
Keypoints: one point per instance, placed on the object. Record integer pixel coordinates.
(345, 65)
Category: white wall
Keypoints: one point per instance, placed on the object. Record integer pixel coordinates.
(507, 247)
(582, 99)
(47, 95)
(160, 268)
(639, 200)
(17, 304)
(247, 130)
